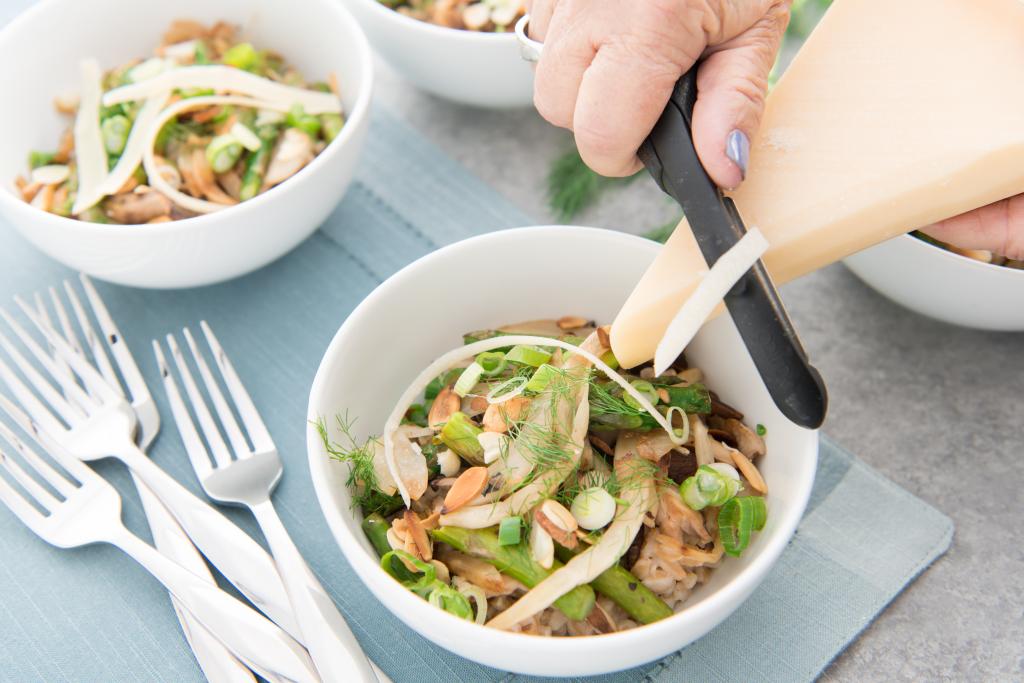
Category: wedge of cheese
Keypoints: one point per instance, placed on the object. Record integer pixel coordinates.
(894, 114)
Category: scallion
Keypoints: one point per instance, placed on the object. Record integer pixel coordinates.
(761, 429)
(450, 600)
(645, 388)
(468, 379)
(37, 159)
(492, 362)
(241, 56)
(528, 355)
(459, 434)
(737, 518)
(510, 530)
(610, 360)
(115, 133)
(298, 118)
(542, 378)
(223, 152)
(709, 486)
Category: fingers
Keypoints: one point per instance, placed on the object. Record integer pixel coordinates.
(568, 51)
(621, 96)
(998, 228)
(540, 12)
(731, 87)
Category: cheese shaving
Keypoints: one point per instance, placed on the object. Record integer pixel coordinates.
(90, 156)
(726, 272)
(226, 79)
(156, 180)
(462, 353)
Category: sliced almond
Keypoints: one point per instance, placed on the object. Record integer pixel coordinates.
(558, 522)
(603, 337)
(468, 486)
(542, 547)
(571, 322)
(66, 103)
(66, 147)
(499, 416)
(749, 472)
(44, 198)
(601, 620)
(663, 395)
(445, 405)
(416, 532)
(29, 191)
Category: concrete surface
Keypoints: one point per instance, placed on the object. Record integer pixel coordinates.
(936, 408)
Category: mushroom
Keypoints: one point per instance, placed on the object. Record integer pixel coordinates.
(294, 151)
(477, 571)
(137, 207)
(747, 440)
(601, 620)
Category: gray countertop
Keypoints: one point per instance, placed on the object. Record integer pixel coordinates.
(935, 408)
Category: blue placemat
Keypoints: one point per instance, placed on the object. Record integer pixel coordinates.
(92, 615)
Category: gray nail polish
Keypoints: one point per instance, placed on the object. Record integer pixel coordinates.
(737, 148)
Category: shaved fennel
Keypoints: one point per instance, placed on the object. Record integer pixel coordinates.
(90, 155)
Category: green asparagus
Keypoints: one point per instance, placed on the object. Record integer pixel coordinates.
(515, 561)
(256, 165)
(376, 529)
(625, 590)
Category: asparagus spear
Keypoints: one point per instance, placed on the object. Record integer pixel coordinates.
(625, 590)
(256, 165)
(515, 561)
(376, 529)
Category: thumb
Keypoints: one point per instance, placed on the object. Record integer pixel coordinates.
(731, 87)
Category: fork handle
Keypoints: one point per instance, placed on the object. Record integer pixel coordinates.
(237, 556)
(332, 645)
(248, 634)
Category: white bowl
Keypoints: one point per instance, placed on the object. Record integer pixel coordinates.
(469, 67)
(39, 56)
(943, 285)
(515, 275)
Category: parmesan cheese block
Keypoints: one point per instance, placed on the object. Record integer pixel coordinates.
(893, 115)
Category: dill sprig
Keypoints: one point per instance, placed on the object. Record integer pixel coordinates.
(573, 186)
(362, 479)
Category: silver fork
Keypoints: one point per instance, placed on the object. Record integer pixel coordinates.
(92, 427)
(248, 480)
(216, 662)
(88, 510)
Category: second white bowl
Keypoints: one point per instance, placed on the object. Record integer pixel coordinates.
(469, 67)
(943, 285)
(509, 276)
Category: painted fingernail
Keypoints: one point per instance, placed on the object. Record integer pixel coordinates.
(737, 148)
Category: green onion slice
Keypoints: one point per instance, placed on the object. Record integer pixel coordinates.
(508, 389)
(492, 362)
(468, 379)
(737, 518)
(533, 356)
(709, 486)
(510, 530)
(645, 388)
(451, 601)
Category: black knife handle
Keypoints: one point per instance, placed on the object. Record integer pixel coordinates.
(754, 304)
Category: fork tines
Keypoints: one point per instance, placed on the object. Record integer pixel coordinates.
(241, 404)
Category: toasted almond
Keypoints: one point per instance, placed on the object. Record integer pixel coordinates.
(332, 82)
(571, 322)
(44, 198)
(499, 416)
(206, 115)
(445, 405)
(663, 395)
(601, 620)
(747, 440)
(749, 472)
(468, 486)
(66, 103)
(29, 191)
(558, 522)
(431, 521)
(601, 445)
(603, 337)
(66, 147)
(424, 549)
(478, 404)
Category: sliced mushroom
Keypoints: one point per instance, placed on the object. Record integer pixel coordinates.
(724, 410)
(654, 444)
(446, 403)
(722, 435)
(206, 181)
(747, 440)
(558, 522)
(135, 208)
(682, 464)
(294, 151)
(601, 620)
(722, 452)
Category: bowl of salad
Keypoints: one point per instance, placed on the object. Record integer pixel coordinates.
(969, 288)
(180, 144)
(461, 50)
(506, 489)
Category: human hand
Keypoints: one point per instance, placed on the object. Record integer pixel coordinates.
(609, 66)
(998, 228)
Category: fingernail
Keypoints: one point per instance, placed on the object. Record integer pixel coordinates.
(737, 148)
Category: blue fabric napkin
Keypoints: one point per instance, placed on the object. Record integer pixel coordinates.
(92, 615)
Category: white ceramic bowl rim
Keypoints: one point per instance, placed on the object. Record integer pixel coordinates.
(357, 112)
(435, 29)
(964, 260)
(369, 569)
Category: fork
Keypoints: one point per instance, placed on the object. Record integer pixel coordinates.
(248, 480)
(92, 427)
(216, 662)
(89, 511)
